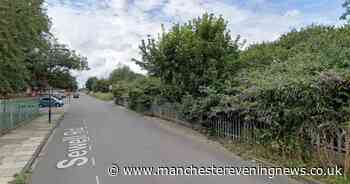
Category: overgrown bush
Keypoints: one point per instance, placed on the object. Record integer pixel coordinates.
(195, 109)
(296, 84)
(292, 110)
(143, 92)
(120, 89)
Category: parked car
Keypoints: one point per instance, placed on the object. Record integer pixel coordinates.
(76, 95)
(58, 96)
(55, 102)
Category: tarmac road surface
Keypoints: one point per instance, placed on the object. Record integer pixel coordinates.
(96, 134)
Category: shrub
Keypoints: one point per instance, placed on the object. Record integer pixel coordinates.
(301, 82)
(143, 92)
(120, 89)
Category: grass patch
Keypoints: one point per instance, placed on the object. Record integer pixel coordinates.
(339, 179)
(22, 178)
(102, 96)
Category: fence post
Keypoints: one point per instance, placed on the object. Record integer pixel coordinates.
(2, 115)
(347, 151)
(11, 113)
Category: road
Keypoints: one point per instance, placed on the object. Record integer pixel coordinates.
(96, 134)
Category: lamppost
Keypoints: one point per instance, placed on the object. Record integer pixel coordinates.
(49, 103)
(36, 51)
(50, 89)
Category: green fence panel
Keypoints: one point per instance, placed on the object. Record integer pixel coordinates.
(16, 111)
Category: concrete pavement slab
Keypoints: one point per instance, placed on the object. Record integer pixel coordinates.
(18, 146)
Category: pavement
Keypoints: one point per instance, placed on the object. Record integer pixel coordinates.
(96, 135)
(18, 146)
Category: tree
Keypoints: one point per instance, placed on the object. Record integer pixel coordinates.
(101, 85)
(346, 5)
(123, 73)
(28, 52)
(52, 64)
(90, 83)
(192, 55)
(64, 80)
(97, 85)
(60, 61)
(23, 25)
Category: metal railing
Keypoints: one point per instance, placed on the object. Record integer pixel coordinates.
(13, 112)
(333, 144)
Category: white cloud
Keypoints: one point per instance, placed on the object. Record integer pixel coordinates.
(251, 25)
(119, 5)
(147, 5)
(106, 36)
(109, 32)
(292, 13)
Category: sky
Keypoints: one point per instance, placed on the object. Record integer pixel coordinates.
(109, 32)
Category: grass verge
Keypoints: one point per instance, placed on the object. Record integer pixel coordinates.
(22, 178)
(102, 96)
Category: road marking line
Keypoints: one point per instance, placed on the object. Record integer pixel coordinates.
(97, 180)
(93, 161)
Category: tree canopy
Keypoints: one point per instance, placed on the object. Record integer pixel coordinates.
(296, 83)
(90, 83)
(191, 55)
(98, 85)
(24, 24)
(28, 52)
(345, 15)
(123, 73)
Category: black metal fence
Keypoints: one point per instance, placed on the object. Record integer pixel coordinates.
(333, 144)
(15, 111)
